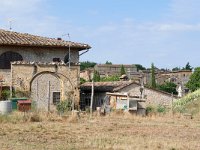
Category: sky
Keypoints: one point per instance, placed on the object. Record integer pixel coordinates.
(163, 32)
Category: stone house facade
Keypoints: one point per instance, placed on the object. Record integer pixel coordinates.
(48, 68)
(114, 69)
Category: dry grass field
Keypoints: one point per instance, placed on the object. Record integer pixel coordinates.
(115, 131)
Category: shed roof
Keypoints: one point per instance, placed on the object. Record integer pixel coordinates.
(24, 39)
(105, 86)
(115, 86)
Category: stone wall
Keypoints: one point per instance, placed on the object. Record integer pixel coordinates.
(154, 97)
(35, 78)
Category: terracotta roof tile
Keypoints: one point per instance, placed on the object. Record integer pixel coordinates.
(24, 39)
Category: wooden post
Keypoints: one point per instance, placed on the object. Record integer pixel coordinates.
(49, 93)
(92, 97)
(172, 105)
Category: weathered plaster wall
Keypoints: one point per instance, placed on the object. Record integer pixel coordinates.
(38, 54)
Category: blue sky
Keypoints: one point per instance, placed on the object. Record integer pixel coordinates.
(165, 32)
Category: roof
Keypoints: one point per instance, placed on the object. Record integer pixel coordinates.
(24, 102)
(105, 86)
(24, 39)
(115, 86)
(115, 65)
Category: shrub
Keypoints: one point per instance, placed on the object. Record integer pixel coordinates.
(64, 106)
(5, 94)
(161, 109)
(150, 109)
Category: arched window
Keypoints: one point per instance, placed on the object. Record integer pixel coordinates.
(8, 57)
(66, 59)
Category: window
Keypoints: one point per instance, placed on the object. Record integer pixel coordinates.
(56, 98)
(66, 59)
(8, 57)
(56, 59)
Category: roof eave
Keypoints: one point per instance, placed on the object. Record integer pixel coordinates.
(79, 48)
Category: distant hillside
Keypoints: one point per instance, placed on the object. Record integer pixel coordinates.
(189, 103)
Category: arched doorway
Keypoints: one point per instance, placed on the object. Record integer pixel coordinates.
(46, 90)
(8, 57)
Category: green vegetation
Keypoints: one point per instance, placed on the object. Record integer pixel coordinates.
(122, 70)
(187, 67)
(82, 81)
(189, 103)
(63, 106)
(152, 109)
(169, 87)
(176, 69)
(96, 76)
(153, 79)
(87, 64)
(110, 78)
(5, 94)
(194, 82)
(161, 109)
(140, 67)
(108, 63)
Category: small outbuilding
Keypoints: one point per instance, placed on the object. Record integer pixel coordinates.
(152, 96)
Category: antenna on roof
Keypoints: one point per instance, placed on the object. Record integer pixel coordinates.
(69, 51)
(10, 24)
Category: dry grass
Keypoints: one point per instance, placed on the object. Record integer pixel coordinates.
(116, 131)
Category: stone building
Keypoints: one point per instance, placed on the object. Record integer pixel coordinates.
(152, 96)
(48, 68)
(114, 69)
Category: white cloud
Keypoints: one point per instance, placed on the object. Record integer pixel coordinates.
(179, 27)
(19, 6)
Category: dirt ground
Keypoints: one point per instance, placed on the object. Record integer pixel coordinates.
(108, 132)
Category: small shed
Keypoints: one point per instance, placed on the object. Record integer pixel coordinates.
(133, 104)
(24, 106)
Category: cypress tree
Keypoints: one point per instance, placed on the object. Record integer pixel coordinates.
(153, 79)
(122, 71)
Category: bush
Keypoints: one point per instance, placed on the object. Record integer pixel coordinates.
(64, 106)
(161, 109)
(150, 109)
(5, 94)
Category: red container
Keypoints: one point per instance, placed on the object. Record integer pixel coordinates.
(24, 106)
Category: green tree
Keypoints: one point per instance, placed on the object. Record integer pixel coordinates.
(140, 67)
(194, 82)
(96, 76)
(153, 79)
(169, 87)
(176, 69)
(82, 80)
(87, 64)
(108, 63)
(122, 70)
(187, 67)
